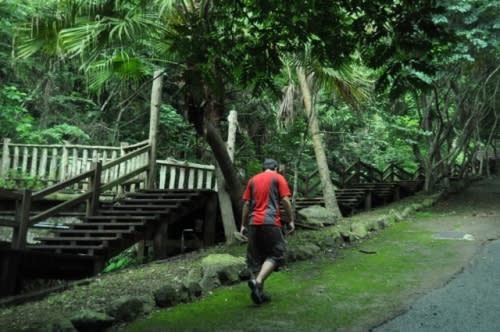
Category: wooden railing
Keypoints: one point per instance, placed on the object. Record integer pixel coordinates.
(54, 163)
(174, 174)
(358, 172)
(134, 165)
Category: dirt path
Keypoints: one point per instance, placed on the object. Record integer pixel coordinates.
(470, 301)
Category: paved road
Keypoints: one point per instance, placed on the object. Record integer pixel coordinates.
(469, 302)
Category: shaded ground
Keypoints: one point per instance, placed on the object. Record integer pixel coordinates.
(345, 290)
(470, 301)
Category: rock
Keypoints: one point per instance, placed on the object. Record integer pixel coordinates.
(383, 222)
(303, 252)
(333, 241)
(395, 216)
(317, 216)
(193, 290)
(407, 211)
(125, 308)
(57, 324)
(169, 295)
(91, 321)
(359, 231)
(428, 202)
(220, 269)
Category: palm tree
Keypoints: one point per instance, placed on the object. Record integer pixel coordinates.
(344, 82)
(129, 40)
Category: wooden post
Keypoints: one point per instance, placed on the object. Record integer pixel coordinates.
(210, 220)
(368, 200)
(160, 240)
(94, 187)
(5, 158)
(9, 273)
(63, 166)
(22, 220)
(153, 125)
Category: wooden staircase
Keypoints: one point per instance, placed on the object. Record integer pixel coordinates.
(364, 196)
(120, 224)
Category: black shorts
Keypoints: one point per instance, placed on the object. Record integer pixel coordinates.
(265, 242)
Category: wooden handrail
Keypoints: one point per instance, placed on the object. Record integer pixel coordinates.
(57, 187)
(124, 178)
(126, 157)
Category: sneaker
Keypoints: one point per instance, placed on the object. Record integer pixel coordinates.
(265, 297)
(255, 286)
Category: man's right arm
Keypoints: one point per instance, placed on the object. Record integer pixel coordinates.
(287, 204)
(244, 218)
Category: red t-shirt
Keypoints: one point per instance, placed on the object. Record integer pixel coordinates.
(264, 192)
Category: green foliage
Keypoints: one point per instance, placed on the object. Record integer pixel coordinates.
(16, 122)
(179, 135)
(17, 179)
(125, 259)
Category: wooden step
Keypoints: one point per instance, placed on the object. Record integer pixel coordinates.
(125, 212)
(114, 219)
(78, 238)
(68, 249)
(146, 201)
(142, 206)
(93, 233)
(165, 193)
(107, 225)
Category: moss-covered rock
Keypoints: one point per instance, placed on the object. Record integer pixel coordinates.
(359, 231)
(220, 269)
(317, 216)
(302, 252)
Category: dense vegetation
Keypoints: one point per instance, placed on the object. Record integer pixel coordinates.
(315, 83)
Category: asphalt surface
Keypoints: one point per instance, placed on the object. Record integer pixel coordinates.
(471, 300)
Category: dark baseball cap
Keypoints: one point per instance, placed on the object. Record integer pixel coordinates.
(270, 164)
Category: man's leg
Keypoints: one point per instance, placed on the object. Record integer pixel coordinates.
(265, 271)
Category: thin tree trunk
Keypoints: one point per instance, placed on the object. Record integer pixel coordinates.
(153, 125)
(324, 172)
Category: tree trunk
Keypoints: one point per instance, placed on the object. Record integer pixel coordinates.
(324, 172)
(153, 125)
(204, 111)
(233, 183)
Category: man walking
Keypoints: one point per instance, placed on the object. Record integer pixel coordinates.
(261, 222)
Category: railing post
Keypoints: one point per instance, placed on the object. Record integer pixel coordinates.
(94, 187)
(63, 167)
(5, 158)
(358, 171)
(22, 219)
